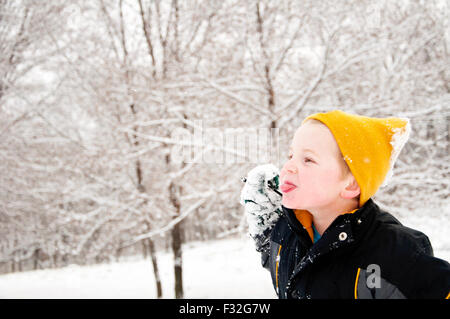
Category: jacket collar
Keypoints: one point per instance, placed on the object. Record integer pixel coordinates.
(343, 231)
(358, 217)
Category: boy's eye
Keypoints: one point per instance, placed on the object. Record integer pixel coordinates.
(306, 159)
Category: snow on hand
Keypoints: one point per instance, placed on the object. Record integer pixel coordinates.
(262, 205)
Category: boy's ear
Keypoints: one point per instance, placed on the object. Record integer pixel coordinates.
(352, 189)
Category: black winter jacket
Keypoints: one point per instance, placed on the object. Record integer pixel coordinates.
(365, 254)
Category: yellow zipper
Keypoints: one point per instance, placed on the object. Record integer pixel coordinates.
(356, 283)
(276, 266)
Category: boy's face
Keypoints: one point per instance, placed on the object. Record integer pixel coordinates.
(314, 167)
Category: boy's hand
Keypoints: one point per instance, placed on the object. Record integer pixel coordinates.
(261, 202)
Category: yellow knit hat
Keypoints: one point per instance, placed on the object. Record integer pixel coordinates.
(370, 146)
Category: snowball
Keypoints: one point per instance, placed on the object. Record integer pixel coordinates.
(262, 205)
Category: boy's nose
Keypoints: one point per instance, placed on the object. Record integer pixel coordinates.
(291, 169)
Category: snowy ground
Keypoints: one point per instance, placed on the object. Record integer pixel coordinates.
(228, 268)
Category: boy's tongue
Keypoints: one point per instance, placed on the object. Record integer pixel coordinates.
(286, 188)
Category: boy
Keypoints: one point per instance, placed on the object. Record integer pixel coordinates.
(327, 238)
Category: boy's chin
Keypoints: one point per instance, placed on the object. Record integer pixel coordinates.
(290, 205)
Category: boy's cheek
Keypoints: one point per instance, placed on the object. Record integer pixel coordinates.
(330, 175)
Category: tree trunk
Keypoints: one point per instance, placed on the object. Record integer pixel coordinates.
(151, 250)
(119, 253)
(178, 260)
(174, 192)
